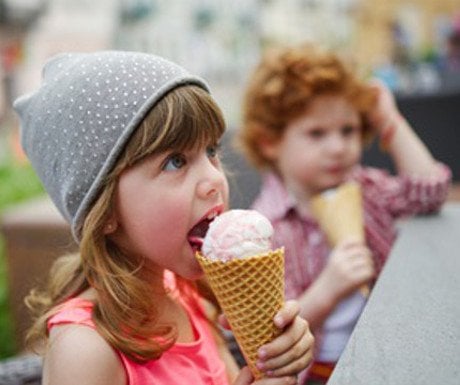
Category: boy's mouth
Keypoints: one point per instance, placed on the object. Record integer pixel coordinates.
(198, 232)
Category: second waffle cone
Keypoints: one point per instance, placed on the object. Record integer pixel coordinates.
(341, 216)
(250, 291)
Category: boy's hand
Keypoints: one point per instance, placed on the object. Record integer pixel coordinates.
(385, 112)
(350, 265)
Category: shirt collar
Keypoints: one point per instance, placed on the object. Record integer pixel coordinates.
(273, 190)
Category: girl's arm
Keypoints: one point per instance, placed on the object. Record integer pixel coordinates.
(397, 137)
(79, 355)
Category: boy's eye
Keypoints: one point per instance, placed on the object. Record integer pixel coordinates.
(174, 162)
(347, 130)
(316, 133)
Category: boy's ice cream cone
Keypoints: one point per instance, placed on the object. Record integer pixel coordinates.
(250, 292)
(246, 276)
(339, 212)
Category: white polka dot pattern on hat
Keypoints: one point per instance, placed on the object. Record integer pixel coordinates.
(75, 125)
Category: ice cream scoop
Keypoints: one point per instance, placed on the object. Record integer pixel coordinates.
(237, 234)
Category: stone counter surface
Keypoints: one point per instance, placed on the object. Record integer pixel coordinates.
(409, 332)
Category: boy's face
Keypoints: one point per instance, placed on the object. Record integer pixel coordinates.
(318, 149)
(160, 200)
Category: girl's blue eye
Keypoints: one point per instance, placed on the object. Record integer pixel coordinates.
(174, 162)
(212, 151)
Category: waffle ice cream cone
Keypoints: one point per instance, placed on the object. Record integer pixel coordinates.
(246, 276)
(340, 214)
(250, 291)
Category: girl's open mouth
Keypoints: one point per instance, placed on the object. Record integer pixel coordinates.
(198, 232)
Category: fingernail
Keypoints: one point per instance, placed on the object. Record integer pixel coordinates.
(260, 365)
(262, 353)
(278, 321)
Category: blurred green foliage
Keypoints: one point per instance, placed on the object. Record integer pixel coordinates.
(18, 182)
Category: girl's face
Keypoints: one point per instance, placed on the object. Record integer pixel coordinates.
(163, 205)
(318, 150)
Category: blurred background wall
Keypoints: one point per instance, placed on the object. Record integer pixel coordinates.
(404, 42)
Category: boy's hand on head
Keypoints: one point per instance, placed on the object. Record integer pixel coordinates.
(385, 111)
(350, 265)
(292, 351)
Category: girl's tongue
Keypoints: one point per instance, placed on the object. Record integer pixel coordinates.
(197, 233)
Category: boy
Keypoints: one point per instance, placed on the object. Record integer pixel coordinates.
(306, 118)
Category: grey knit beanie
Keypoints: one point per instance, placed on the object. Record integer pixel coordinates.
(74, 127)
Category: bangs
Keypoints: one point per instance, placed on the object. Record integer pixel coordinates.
(187, 118)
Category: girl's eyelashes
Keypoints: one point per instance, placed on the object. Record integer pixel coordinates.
(174, 162)
(213, 150)
(177, 160)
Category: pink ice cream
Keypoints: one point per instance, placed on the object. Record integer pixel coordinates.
(237, 234)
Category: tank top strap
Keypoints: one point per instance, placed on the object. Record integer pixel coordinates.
(74, 311)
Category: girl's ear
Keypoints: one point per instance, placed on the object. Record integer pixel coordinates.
(269, 148)
(111, 225)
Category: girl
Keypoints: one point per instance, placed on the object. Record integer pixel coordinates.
(126, 146)
(306, 119)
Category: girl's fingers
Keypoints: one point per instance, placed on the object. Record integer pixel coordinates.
(246, 378)
(222, 320)
(286, 380)
(286, 341)
(292, 361)
(286, 314)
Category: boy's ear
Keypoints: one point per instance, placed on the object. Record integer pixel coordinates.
(269, 148)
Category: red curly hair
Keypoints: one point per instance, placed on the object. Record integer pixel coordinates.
(282, 87)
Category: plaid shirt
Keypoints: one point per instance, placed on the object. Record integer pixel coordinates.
(385, 199)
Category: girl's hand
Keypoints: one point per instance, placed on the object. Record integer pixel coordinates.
(350, 265)
(292, 351)
(245, 378)
(288, 354)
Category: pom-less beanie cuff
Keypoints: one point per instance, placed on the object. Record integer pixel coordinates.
(74, 127)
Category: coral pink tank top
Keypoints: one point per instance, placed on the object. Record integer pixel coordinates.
(194, 363)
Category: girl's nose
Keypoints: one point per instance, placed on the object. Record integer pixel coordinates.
(212, 180)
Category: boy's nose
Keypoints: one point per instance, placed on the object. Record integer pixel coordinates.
(336, 144)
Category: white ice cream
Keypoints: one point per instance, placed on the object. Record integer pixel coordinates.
(237, 234)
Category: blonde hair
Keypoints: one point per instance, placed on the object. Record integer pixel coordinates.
(284, 84)
(185, 118)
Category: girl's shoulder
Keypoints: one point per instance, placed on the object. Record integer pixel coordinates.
(78, 354)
